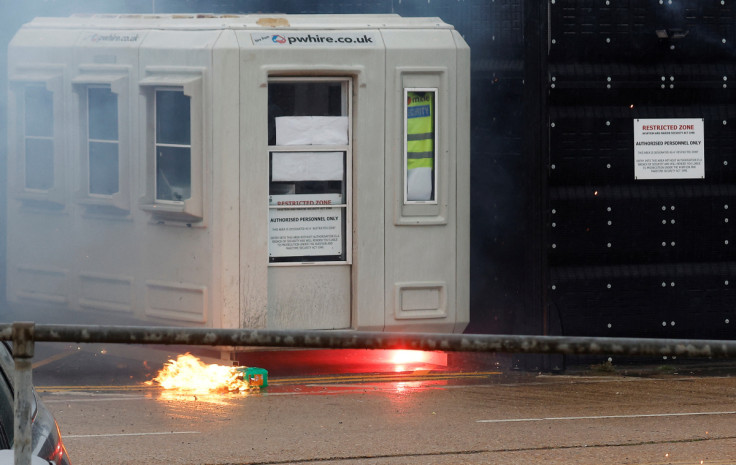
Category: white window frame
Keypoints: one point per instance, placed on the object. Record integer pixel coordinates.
(190, 80)
(425, 77)
(435, 163)
(117, 80)
(346, 149)
(50, 78)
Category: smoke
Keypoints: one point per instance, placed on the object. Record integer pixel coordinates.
(13, 14)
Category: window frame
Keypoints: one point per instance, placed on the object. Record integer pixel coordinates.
(117, 80)
(189, 80)
(51, 79)
(347, 106)
(418, 77)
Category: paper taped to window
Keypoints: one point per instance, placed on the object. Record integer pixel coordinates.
(312, 130)
(307, 166)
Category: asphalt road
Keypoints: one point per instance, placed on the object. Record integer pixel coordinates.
(418, 413)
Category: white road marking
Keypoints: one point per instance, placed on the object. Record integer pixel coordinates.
(114, 435)
(100, 399)
(606, 417)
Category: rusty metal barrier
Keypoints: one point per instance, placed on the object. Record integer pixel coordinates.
(24, 335)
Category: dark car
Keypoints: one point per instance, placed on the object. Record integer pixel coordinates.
(47, 442)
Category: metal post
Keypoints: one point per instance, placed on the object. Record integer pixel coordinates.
(23, 347)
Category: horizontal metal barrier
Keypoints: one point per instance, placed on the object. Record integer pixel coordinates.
(344, 339)
(25, 334)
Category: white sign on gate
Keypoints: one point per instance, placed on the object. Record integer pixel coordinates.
(669, 149)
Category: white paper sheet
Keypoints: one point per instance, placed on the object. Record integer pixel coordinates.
(312, 130)
(307, 166)
(305, 232)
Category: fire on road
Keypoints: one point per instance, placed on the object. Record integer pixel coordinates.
(411, 417)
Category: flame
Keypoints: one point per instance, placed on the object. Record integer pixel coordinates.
(188, 373)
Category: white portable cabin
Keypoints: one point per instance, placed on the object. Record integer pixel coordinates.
(255, 171)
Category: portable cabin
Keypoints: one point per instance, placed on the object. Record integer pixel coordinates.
(285, 172)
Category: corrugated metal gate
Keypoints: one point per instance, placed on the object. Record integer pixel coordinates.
(640, 257)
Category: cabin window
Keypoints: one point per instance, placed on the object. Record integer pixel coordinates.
(35, 143)
(174, 128)
(173, 145)
(420, 142)
(38, 138)
(310, 154)
(102, 141)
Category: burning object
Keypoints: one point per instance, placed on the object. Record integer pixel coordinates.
(256, 377)
(188, 373)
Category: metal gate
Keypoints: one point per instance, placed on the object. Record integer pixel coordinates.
(656, 255)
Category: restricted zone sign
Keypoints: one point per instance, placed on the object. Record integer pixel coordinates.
(669, 149)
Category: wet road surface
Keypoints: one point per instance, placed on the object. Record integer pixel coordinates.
(385, 410)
